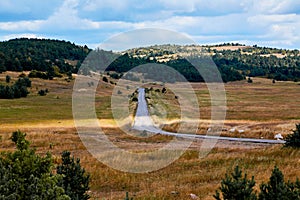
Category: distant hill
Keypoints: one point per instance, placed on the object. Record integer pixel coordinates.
(40, 54)
(234, 61)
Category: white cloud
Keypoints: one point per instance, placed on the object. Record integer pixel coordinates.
(145, 37)
(21, 25)
(21, 35)
(66, 17)
(230, 20)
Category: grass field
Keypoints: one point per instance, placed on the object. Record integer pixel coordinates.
(262, 109)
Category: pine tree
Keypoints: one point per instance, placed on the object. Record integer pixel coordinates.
(7, 79)
(276, 188)
(26, 175)
(236, 187)
(75, 180)
(293, 140)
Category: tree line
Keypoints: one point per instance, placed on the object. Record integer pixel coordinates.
(40, 54)
(50, 58)
(183, 67)
(253, 65)
(16, 90)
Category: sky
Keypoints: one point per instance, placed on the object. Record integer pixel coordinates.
(272, 23)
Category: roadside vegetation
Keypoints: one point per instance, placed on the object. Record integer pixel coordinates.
(237, 186)
(260, 108)
(27, 175)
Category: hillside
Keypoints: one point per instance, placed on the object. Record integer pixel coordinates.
(40, 54)
(234, 61)
(254, 61)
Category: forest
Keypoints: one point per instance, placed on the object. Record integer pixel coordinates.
(41, 54)
(286, 68)
(50, 58)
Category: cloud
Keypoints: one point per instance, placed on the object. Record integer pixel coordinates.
(93, 21)
(21, 25)
(145, 37)
(21, 35)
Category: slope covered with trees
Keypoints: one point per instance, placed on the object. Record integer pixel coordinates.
(40, 54)
(49, 58)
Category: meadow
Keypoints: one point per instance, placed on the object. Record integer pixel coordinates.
(261, 108)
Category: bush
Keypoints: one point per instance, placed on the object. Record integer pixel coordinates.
(75, 180)
(38, 74)
(26, 175)
(105, 79)
(43, 92)
(17, 90)
(277, 189)
(236, 186)
(7, 79)
(249, 80)
(293, 140)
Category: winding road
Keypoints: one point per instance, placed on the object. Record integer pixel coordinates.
(143, 122)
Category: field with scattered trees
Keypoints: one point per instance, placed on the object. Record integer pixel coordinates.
(43, 157)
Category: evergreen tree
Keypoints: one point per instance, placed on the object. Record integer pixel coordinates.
(249, 80)
(7, 79)
(236, 187)
(25, 175)
(75, 180)
(293, 140)
(276, 188)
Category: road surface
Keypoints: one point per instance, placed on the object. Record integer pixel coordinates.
(143, 122)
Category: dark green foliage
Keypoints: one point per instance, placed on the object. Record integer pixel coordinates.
(104, 79)
(253, 64)
(293, 140)
(19, 139)
(17, 90)
(7, 79)
(38, 74)
(25, 81)
(43, 92)
(135, 99)
(127, 197)
(277, 189)
(249, 80)
(39, 54)
(236, 187)
(24, 175)
(75, 180)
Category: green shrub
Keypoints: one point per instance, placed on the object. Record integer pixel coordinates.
(236, 187)
(26, 175)
(278, 189)
(75, 181)
(293, 140)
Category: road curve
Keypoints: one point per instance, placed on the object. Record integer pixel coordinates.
(143, 122)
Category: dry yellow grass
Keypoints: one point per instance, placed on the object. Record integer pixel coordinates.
(187, 175)
(261, 108)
